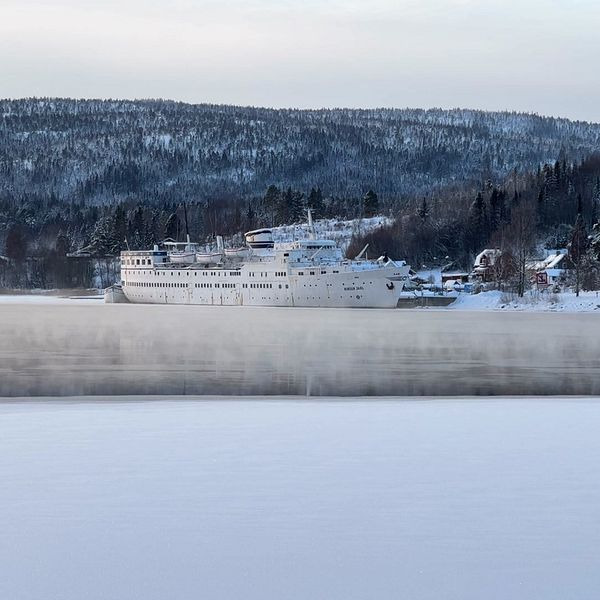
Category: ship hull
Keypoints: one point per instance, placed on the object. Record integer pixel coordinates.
(372, 288)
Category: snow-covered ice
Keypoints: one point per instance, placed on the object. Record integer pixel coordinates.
(46, 299)
(340, 500)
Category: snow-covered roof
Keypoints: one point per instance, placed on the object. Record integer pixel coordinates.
(551, 261)
(451, 283)
(489, 254)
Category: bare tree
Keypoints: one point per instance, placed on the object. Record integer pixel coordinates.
(519, 241)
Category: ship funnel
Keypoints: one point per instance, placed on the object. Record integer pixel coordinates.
(260, 239)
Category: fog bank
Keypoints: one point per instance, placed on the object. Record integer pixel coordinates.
(63, 350)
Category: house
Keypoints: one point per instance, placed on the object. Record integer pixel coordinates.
(455, 276)
(452, 281)
(549, 270)
(483, 267)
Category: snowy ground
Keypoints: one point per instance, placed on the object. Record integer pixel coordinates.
(494, 300)
(531, 302)
(47, 299)
(341, 500)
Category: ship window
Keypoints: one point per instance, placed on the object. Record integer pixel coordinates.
(312, 272)
(300, 272)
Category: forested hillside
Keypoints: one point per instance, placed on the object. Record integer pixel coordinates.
(157, 151)
(101, 175)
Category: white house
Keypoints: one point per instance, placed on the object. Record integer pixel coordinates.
(484, 264)
(549, 270)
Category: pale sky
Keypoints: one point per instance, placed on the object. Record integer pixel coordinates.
(531, 55)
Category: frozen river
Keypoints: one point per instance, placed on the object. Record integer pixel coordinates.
(296, 499)
(97, 349)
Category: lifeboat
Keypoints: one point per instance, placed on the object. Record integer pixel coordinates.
(182, 256)
(209, 258)
(237, 253)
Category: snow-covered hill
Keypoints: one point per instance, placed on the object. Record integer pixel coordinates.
(330, 229)
(157, 151)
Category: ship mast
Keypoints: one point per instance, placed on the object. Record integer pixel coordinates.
(311, 227)
(187, 231)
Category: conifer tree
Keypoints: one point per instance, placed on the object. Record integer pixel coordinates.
(315, 201)
(541, 208)
(595, 212)
(15, 246)
(370, 204)
(578, 245)
(271, 203)
(423, 211)
(476, 233)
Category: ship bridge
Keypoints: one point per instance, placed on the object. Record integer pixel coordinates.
(306, 251)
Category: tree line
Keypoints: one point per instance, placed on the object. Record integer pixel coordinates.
(557, 206)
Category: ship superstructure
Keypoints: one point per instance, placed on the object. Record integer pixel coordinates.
(309, 272)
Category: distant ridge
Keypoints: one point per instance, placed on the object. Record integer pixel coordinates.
(104, 151)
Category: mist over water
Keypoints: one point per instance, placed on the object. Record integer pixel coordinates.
(68, 350)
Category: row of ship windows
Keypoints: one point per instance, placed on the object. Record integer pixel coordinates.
(205, 273)
(160, 284)
(314, 272)
(231, 273)
(138, 261)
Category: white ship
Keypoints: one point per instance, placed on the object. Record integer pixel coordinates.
(308, 272)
